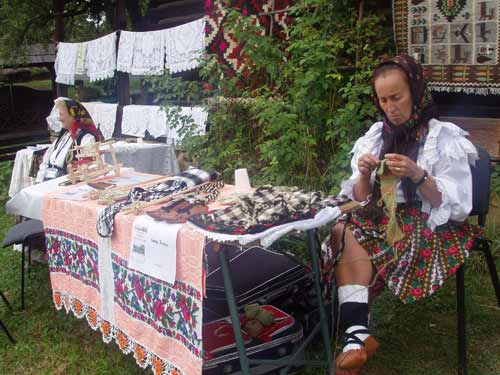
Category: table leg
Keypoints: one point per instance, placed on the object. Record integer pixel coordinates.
(228, 287)
(312, 245)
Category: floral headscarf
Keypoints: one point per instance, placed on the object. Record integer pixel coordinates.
(82, 118)
(405, 138)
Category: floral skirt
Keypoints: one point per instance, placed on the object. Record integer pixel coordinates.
(418, 265)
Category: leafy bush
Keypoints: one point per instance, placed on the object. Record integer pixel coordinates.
(293, 120)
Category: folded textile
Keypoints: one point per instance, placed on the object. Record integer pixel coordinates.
(101, 57)
(81, 57)
(141, 53)
(65, 63)
(184, 45)
(139, 118)
(271, 212)
(183, 181)
(104, 116)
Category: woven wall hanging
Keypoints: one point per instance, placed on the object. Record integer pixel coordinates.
(457, 41)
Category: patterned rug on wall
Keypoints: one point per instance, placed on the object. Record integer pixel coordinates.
(222, 42)
(457, 41)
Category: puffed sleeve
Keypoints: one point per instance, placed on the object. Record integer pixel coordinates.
(370, 143)
(448, 156)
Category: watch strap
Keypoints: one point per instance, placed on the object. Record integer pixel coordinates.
(422, 180)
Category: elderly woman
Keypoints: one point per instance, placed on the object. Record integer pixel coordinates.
(428, 162)
(78, 128)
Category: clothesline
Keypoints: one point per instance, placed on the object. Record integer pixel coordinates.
(174, 49)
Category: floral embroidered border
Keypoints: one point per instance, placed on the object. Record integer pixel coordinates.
(73, 255)
(143, 357)
(173, 310)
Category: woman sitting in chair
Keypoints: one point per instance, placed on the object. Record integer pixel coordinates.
(428, 178)
(78, 128)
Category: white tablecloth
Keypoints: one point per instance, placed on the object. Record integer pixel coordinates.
(28, 202)
(153, 158)
(20, 172)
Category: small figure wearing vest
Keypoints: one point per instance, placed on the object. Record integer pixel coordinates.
(78, 129)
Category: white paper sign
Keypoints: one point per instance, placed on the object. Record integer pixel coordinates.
(153, 248)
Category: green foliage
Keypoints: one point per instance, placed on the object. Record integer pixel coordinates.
(294, 120)
(25, 22)
(495, 179)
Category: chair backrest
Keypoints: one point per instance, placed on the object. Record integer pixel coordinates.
(481, 184)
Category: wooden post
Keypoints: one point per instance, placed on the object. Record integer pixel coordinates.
(61, 90)
(122, 79)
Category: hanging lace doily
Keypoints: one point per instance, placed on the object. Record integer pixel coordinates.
(104, 116)
(184, 46)
(101, 57)
(65, 63)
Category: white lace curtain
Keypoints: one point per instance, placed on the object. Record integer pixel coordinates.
(94, 60)
(139, 118)
(176, 49)
(150, 53)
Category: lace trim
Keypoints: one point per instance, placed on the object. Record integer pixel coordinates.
(184, 46)
(453, 146)
(269, 236)
(104, 116)
(438, 215)
(143, 357)
(141, 53)
(101, 57)
(65, 64)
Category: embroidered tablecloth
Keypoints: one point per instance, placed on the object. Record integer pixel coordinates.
(456, 40)
(158, 322)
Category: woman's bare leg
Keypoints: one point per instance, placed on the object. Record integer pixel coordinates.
(355, 266)
(353, 274)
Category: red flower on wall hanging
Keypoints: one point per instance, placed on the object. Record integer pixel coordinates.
(451, 8)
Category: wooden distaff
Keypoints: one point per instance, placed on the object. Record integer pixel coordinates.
(121, 192)
(137, 208)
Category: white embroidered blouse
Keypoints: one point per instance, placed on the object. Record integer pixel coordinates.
(446, 156)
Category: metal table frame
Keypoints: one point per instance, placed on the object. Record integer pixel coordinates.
(290, 360)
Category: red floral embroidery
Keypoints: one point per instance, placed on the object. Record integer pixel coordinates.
(426, 253)
(420, 273)
(416, 292)
(427, 233)
(447, 236)
(408, 228)
(452, 250)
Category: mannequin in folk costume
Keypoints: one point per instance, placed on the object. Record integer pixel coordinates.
(414, 232)
(78, 129)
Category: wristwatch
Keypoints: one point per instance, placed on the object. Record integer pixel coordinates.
(423, 179)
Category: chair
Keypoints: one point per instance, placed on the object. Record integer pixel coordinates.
(4, 328)
(480, 204)
(24, 233)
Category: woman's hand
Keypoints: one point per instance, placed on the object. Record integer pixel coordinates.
(402, 166)
(367, 164)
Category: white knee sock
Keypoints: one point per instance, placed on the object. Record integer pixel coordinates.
(353, 300)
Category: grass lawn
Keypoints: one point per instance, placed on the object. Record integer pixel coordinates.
(418, 339)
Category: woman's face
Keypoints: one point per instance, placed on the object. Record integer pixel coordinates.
(64, 116)
(394, 96)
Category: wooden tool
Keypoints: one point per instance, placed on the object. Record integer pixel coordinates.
(89, 163)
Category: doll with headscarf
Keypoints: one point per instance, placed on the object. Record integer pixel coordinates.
(422, 167)
(77, 129)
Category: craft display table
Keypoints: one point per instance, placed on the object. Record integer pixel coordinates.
(159, 322)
